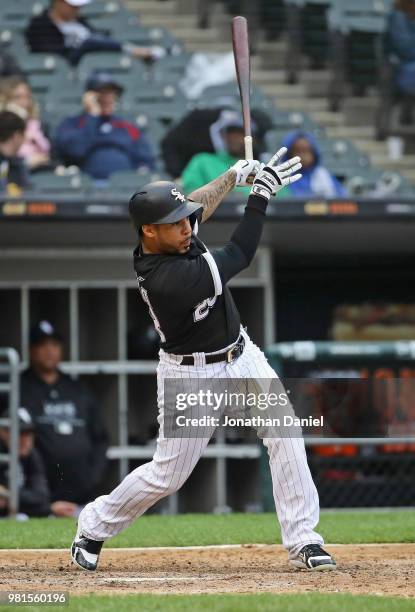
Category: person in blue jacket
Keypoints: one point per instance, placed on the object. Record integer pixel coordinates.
(99, 141)
(316, 179)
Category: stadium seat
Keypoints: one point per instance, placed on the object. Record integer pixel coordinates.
(307, 34)
(52, 114)
(115, 23)
(228, 95)
(130, 181)
(52, 182)
(45, 71)
(99, 8)
(114, 62)
(147, 37)
(356, 29)
(42, 63)
(14, 43)
(169, 69)
(155, 130)
(164, 102)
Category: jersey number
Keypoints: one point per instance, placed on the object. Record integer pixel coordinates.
(202, 309)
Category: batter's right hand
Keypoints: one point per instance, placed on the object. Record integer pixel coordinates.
(246, 170)
(274, 176)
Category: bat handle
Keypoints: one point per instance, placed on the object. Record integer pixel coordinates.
(249, 153)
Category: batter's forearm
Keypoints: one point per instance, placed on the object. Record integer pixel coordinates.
(212, 194)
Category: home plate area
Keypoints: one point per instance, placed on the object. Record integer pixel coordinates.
(386, 569)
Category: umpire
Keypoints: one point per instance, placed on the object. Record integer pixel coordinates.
(70, 434)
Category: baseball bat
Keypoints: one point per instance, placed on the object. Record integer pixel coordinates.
(240, 44)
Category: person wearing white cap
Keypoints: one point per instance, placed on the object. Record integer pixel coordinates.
(61, 29)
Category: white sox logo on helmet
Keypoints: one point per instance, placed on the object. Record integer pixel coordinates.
(179, 196)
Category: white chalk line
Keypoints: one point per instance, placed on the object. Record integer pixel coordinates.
(203, 547)
(160, 579)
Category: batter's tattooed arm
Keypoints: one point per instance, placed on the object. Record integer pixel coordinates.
(212, 194)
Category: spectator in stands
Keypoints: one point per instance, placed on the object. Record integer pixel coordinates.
(33, 486)
(8, 65)
(178, 149)
(401, 43)
(97, 140)
(15, 94)
(70, 434)
(13, 171)
(316, 179)
(60, 29)
(205, 167)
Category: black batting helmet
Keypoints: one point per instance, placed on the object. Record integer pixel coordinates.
(160, 202)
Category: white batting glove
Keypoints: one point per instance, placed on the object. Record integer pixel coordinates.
(274, 176)
(246, 170)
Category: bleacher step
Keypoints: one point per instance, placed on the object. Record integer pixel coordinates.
(149, 7)
(372, 147)
(409, 174)
(348, 131)
(316, 105)
(192, 34)
(360, 111)
(213, 46)
(407, 162)
(282, 90)
(262, 77)
(327, 118)
(316, 82)
(168, 21)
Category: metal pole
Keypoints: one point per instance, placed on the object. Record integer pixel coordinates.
(13, 359)
(122, 379)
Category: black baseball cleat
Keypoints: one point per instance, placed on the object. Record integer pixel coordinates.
(85, 552)
(313, 558)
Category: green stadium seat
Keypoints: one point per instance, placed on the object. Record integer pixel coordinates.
(155, 130)
(115, 23)
(357, 28)
(52, 114)
(14, 42)
(228, 95)
(156, 100)
(147, 37)
(42, 63)
(169, 69)
(130, 181)
(102, 7)
(67, 183)
(114, 62)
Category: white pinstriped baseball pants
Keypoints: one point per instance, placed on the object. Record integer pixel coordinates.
(295, 494)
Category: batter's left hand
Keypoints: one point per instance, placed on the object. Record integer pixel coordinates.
(246, 170)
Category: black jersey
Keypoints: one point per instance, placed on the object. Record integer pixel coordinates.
(70, 434)
(189, 302)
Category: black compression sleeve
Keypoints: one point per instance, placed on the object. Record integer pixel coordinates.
(248, 232)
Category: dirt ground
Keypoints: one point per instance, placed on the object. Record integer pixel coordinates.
(372, 569)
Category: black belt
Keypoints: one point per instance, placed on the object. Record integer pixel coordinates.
(229, 356)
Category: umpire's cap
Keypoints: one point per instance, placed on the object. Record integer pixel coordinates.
(160, 202)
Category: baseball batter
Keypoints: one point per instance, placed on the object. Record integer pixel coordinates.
(185, 288)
